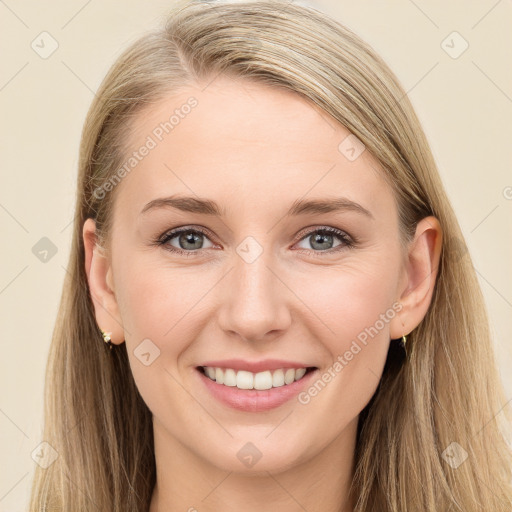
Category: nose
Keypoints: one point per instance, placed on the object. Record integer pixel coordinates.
(254, 301)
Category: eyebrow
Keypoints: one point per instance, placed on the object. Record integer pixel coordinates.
(298, 207)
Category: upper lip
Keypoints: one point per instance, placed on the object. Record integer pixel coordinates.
(255, 366)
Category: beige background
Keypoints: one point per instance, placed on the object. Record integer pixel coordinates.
(465, 105)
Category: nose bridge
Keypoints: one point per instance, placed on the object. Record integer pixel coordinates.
(253, 303)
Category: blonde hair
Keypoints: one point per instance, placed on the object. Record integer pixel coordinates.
(447, 390)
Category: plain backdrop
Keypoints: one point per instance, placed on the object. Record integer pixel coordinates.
(463, 97)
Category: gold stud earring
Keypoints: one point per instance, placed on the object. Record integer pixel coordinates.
(106, 338)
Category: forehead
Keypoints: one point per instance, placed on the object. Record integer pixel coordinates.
(242, 142)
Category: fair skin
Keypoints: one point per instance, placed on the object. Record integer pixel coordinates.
(255, 150)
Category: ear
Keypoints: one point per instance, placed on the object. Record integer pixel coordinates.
(419, 277)
(99, 277)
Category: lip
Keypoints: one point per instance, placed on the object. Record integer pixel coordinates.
(253, 400)
(256, 366)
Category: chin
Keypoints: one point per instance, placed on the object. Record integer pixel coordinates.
(259, 457)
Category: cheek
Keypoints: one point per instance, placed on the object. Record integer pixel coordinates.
(350, 299)
(356, 304)
(154, 302)
(165, 304)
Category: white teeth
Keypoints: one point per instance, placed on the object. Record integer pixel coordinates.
(244, 380)
(289, 376)
(229, 377)
(263, 380)
(260, 381)
(300, 373)
(278, 378)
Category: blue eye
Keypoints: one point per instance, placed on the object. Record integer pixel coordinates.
(326, 236)
(189, 241)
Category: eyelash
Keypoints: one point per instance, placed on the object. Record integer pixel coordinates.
(348, 241)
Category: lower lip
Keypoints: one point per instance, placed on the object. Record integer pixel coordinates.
(255, 400)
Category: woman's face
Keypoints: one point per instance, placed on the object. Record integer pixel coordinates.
(257, 285)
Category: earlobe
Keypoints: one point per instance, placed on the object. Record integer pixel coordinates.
(421, 271)
(99, 276)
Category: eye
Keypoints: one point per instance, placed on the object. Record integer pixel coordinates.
(322, 239)
(188, 241)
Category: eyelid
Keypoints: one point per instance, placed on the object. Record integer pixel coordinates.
(177, 231)
(308, 230)
(172, 233)
(348, 241)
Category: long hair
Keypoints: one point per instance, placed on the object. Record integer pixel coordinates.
(446, 391)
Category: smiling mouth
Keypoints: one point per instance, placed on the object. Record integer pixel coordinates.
(242, 379)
